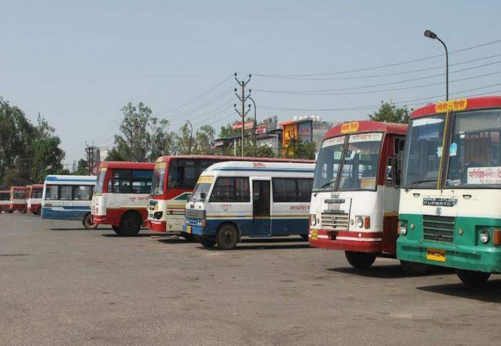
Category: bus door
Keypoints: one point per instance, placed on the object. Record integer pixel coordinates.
(261, 201)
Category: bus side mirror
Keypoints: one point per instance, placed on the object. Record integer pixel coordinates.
(203, 195)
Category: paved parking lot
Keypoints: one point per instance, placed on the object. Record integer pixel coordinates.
(63, 285)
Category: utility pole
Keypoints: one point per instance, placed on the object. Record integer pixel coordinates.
(191, 136)
(242, 113)
(90, 156)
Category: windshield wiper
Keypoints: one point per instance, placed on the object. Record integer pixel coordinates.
(324, 185)
(415, 183)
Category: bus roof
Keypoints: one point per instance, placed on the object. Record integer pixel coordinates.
(70, 178)
(484, 102)
(126, 165)
(261, 167)
(17, 187)
(366, 126)
(232, 158)
(38, 186)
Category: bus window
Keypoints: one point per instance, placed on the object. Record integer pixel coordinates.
(304, 187)
(141, 181)
(82, 193)
(231, 190)
(66, 193)
(37, 193)
(121, 181)
(287, 190)
(52, 193)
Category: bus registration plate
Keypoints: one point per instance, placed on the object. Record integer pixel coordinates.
(188, 229)
(314, 234)
(435, 255)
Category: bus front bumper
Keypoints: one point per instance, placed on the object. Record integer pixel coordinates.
(476, 257)
(157, 226)
(346, 240)
(99, 219)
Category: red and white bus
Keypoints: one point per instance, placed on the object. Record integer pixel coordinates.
(174, 179)
(121, 196)
(4, 201)
(35, 193)
(18, 196)
(354, 204)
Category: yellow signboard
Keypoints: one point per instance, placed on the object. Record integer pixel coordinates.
(451, 106)
(350, 127)
(205, 180)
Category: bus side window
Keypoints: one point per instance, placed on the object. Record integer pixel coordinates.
(389, 173)
(82, 193)
(66, 193)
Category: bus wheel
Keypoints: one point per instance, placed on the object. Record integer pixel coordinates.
(130, 225)
(360, 260)
(414, 269)
(472, 278)
(227, 237)
(207, 242)
(116, 229)
(87, 222)
(187, 236)
(10, 211)
(22, 211)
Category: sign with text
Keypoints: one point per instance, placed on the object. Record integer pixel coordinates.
(484, 175)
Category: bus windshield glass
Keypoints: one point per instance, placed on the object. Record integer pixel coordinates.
(37, 192)
(423, 152)
(98, 189)
(19, 194)
(360, 165)
(157, 187)
(328, 164)
(202, 187)
(475, 153)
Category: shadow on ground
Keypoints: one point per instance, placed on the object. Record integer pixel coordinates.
(393, 271)
(489, 292)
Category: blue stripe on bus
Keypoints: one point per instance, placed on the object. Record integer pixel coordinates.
(90, 180)
(282, 170)
(66, 214)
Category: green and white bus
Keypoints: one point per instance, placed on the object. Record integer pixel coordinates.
(450, 210)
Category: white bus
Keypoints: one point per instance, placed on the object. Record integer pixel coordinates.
(68, 197)
(255, 199)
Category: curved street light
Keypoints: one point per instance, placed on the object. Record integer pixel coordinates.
(433, 36)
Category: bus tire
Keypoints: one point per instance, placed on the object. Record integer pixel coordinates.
(87, 222)
(10, 211)
(472, 278)
(187, 236)
(304, 236)
(116, 229)
(207, 243)
(130, 225)
(22, 211)
(360, 260)
(414, 269)
(227, 237)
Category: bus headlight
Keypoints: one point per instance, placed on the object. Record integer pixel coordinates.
(403, 228)
(313, 220)
(158, 215)
(359, 221)
(484, 236)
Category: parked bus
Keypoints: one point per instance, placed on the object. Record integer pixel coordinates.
(173, 181)
(4, 201)
(256, 199)
(354, 205)
(121, 196)
(68, 197)
(35, 193)
(18, 196)
(450, 213)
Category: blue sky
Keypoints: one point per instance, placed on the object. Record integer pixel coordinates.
(79, 62)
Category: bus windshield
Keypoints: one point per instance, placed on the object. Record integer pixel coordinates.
(38, 192)
(202, 187)
(157, 187)
(474, 153)
(98, 189)
(359, 167)
(19, 194)
(423, 152)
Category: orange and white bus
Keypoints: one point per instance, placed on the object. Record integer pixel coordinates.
(121, 196)
(35, 193)
(174, 179)
(18, 196)
(4, 201)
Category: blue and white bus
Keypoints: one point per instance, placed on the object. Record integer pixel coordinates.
(256, 199)
(68, 197)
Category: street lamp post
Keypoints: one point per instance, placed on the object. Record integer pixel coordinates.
(433, 36)
(255, 122)
(191, 136)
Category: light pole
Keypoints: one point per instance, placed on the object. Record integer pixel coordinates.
(255, 122)
(433, 36)
(191, 136)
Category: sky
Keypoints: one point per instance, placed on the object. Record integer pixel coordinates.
(77, 63)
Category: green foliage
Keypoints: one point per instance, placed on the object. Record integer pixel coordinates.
(388, 112)
(297, 149)
(27, 152)
(82, 167)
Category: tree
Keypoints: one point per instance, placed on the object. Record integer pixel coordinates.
(388, 112)
(298, 149)
(82, 167)
(204, 141)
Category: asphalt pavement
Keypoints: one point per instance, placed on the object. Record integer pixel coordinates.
(63, 285)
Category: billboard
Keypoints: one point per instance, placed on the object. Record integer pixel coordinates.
(305, 131)
(248, 125)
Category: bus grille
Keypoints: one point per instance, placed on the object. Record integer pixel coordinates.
(195, 214)
(335, 221)
(438, 228)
